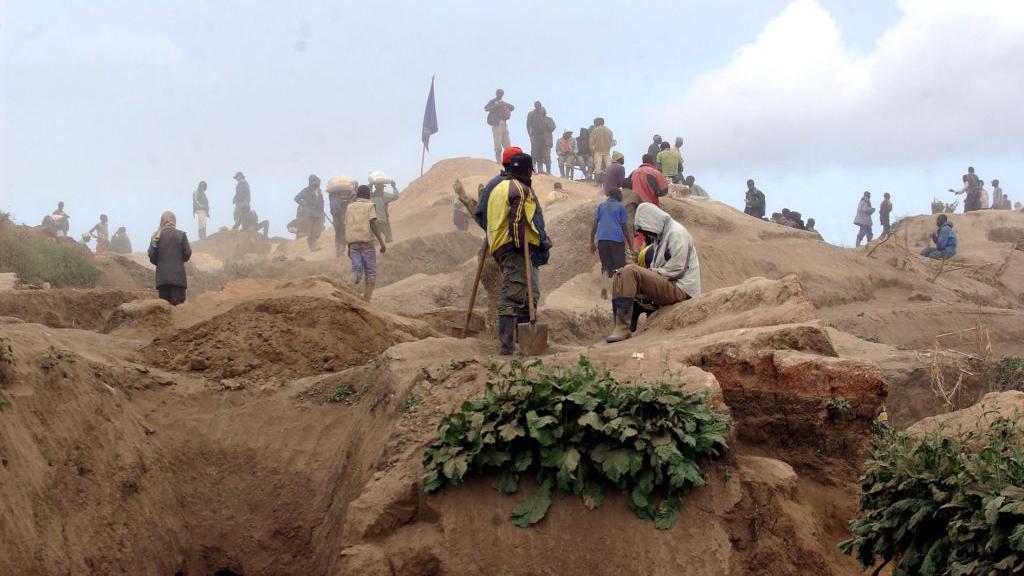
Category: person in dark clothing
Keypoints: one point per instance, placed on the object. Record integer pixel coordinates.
(251, 223)
(168, 251)
(311, 210)
(242, 200)
(120, 243)
(511, 215)
(201, 208)
(536, 128)
(883, 213)
(754, 201)
(585, 154)
(655, 146)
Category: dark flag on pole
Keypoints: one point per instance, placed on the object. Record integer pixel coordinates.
(429, 118)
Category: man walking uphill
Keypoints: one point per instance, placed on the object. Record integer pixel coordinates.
(883, 213)
(498, 113)
(360, 231)
(511, 215)
(863, 219)
(242, 200)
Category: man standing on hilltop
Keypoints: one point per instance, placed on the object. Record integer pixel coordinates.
(201, 208)
(863, 219)
(655, 146)
(755, 204)
(511, 215)
(242, 200)
(536, 128)
(883, 213)
(601, 141)
(498, 113)
(670, 163)
(972, 183)
(61, 220)
(360, 231)
(101, 233)
(565, 150)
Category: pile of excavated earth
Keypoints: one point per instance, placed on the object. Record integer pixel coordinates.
(275, 423)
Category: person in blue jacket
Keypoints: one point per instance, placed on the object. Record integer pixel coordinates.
(944, 239)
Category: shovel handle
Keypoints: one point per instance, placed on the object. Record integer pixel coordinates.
(529, 277)
(476, 284)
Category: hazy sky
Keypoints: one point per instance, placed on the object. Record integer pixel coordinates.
(122, 106)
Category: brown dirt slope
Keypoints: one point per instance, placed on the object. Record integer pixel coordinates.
(284, 337)
(86, 309)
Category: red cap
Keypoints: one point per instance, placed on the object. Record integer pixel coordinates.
(509, 152)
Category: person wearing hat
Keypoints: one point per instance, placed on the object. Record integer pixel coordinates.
(565, 150)
(201, 208)
(655, 147)
(311, 211)
(242, 200)
(511, 215)
(615, 176)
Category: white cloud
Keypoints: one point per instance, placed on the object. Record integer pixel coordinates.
(944, 82)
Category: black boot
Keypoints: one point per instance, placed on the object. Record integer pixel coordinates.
(623, 311)
(507, 335)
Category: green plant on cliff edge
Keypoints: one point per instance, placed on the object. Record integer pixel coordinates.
(943, 505)
(578, 431)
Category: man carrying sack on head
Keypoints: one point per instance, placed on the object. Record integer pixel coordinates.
(511, 215)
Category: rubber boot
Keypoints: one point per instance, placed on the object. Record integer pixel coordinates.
(368, 290)
(623, 312)
(507, 335)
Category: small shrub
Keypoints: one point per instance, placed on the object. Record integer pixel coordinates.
(578, 431)
(1008, 373)
(943, 505)
(37, 258)
(837, 407)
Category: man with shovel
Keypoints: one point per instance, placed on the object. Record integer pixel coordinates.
(512, 217)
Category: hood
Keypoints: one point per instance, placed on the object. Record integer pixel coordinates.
(650, 218)
(947, 223)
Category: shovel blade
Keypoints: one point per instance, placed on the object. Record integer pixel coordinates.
(532, 338)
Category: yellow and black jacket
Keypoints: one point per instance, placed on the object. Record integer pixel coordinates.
(509, 212)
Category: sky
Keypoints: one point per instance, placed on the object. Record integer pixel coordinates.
(121, 107)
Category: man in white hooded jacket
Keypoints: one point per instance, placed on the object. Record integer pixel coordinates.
(673, 273)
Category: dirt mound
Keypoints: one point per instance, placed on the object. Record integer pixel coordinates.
(229, 245)
(434, 254)
(141, 317)
(278, 337)
(1009, 405)
(123, 273)
(756, 302)
(86, 309)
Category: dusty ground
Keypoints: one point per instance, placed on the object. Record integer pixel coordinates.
(274, 424)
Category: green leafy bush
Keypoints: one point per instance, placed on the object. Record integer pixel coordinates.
(943, 505)
(36, 257)
(1008, 373)
(578, 431)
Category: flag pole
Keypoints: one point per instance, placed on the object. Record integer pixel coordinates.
(423, 153)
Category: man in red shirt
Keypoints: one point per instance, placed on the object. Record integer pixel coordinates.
(648, 185)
